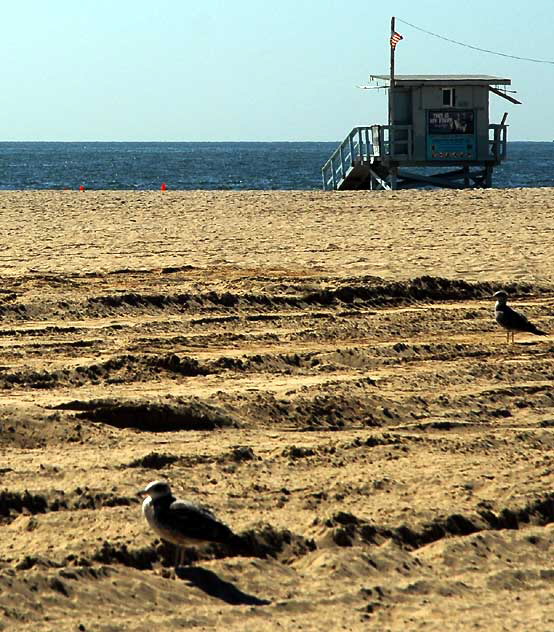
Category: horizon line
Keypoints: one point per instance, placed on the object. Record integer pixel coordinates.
(518, 140)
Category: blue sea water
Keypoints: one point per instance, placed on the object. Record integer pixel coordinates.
(247, 165)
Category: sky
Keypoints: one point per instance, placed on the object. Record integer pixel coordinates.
(252, 70)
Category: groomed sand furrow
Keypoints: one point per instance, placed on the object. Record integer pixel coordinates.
(369, 294)
(16, 503)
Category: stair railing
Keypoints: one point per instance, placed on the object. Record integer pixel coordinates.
(355, 149)
(361, 145)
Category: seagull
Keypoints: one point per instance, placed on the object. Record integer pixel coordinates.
(512, 320)
(181, 522)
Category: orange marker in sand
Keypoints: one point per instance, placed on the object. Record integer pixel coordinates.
(81, 188)
(164, 186)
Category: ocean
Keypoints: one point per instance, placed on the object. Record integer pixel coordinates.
(213, 166)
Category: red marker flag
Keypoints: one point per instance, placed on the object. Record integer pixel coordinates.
(394, 39)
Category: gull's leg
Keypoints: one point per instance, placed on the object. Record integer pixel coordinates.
(178, 555)
(508, 336)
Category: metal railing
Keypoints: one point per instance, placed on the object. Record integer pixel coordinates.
(403, 145)
(355, 149)
(498, 142)
(363, 144)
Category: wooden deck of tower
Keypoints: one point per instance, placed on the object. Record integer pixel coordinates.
(439, 122)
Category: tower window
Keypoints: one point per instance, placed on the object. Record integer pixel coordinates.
(449, 97)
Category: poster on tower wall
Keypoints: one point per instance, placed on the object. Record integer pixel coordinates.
(451, 135)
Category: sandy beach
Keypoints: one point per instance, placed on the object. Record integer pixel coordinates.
(321, 369)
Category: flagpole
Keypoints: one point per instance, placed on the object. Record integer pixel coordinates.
(391, 87)
(392, 32)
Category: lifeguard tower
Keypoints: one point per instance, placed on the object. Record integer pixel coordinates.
(439, 122)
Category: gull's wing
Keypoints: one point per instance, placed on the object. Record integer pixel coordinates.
(516, 321)
(197, 522)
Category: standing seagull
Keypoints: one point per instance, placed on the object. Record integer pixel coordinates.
(181, 522)
(512, 320)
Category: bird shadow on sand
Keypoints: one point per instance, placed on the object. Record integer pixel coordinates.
(216, 587)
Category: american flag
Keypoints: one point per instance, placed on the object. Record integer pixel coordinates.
(394, 39)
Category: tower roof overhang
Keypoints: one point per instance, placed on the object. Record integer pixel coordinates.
(445, 80)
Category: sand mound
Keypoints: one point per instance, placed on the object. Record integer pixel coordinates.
(163, 416)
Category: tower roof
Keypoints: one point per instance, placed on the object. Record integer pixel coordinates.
(443, 80)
